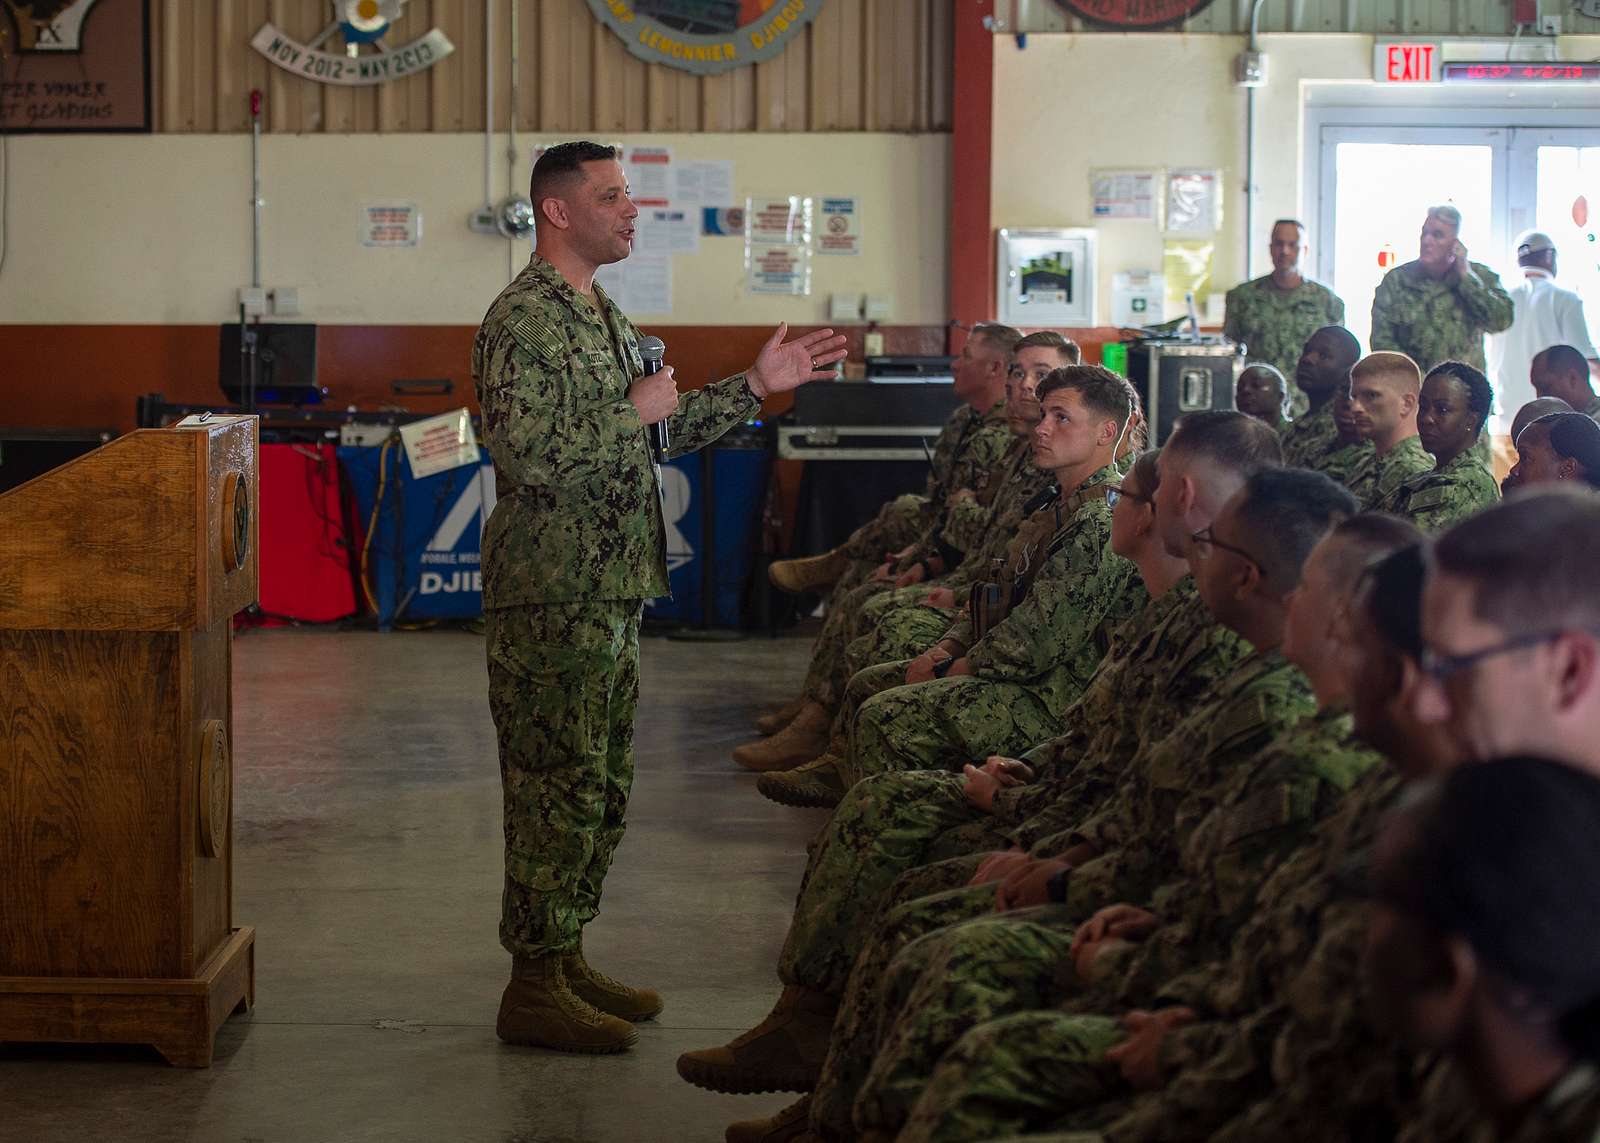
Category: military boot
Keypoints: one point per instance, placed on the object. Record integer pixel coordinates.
(788, 1126)
(610, 996)
(539, 1010)
(810, 574)
(774, 721)
(782, 1053)
(802, 740)
(817, 784)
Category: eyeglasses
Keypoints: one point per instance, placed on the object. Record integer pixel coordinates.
(1117, 492)
(1440, 667)
(1204, 540)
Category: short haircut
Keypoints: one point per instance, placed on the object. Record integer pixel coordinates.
(1102, 390)
(1566, 359)
(1480, 394)
(1386, 363)
(1575, 436)
(1265, 367)
(1294, 222)
(1347, 340)
(1394, 605)
(993, 335)
(1366, 538)
(1050, 339)
(553, 173)
(1530, 559)
(1505, 856)
(1533, 410)
(1446, 213)
(1145, 472)
(1231, 440)
(1284, 514)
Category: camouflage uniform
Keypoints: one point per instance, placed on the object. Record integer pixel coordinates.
(1166, 790)
(1313, 442)
(1441, 497)
(1069, 591)
(1438, 319)
(1592, 409)
(1268, 809)
(853, 612)
(1274, 324)
(575, 543)
(1376, 478)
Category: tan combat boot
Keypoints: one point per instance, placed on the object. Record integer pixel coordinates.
(791, 1125)
(774, 721)
(539, 1010)
(610, 996)
(810, 574)
(817, 784)
(782, 1053)
(803, 739)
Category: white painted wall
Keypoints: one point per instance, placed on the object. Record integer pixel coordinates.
(156, 229)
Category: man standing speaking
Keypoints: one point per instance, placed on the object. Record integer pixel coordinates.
(576, 543)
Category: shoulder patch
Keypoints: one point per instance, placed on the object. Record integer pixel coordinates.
(537, 339)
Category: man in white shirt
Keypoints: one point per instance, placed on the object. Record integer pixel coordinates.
(1545, 315)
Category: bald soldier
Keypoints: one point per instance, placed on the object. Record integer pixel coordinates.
(1385, 390)
(1322, 372)
(574, 546)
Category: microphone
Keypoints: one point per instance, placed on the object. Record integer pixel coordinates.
(653, 349)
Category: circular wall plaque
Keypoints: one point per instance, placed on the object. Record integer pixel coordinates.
(706, 36)
(1134, 14)
(216, 787)
(235, 521)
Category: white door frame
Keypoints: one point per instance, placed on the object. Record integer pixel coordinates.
(1523, 186)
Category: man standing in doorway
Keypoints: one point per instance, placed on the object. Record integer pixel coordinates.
(1438, 307)
(1274, 315)
(573, 548)
(1546, 315)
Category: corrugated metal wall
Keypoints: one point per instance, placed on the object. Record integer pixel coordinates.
(1374, 17)
(862, 65)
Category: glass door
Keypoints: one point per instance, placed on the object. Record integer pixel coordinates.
(1555, 187)
(1377, 185)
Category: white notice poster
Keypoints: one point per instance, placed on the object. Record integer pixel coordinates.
(1194, 201)
(649, 171)
(1129, 195)
(707, 182)
(639, 284)
(390, 224)
(668, 231)
(840, 229)
(440, 443)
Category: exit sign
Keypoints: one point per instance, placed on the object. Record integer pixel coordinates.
(1406, 61)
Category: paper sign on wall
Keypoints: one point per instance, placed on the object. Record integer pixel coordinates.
(777, 244)
(722, 221)
(1186, 265)
(780, 269)
(1194, 201)
(440, 443)
(840, 230)
(649, 171)
(785, 219)
(1127, 195)
(672, 231)
(639, 284)
(706, 182)
(390, 224)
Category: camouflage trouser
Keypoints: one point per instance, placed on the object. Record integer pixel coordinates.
(901, 632)
(1022, 1072)
(854, 635)
(899, 522)
(827, 674)
(950, 980)
(563, 687)
(943, 724)
(883, 827)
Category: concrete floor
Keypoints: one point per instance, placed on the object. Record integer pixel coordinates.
(367, 856)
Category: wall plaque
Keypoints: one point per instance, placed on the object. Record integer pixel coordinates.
(1134, 15)
(74, 65)
(706, 36)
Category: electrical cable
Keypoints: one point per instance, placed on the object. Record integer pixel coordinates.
(5, 197)
(372, 522)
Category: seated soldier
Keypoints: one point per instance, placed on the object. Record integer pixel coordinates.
(1456, 401)
(1179, 812)
(972, 440)
(1385, 389)
(1481, 941)
(1561, 446)
(1562, 372)
(979, 520)
(1323, 372)
(1003, 676)
(1532, 411)
(1262, 393)
(1172, 655)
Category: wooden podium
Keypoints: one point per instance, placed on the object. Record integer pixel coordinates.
(120, 574)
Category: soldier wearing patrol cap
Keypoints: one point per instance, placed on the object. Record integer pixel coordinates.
(575, 544)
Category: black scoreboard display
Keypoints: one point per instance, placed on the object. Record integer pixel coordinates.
(1524, 72)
